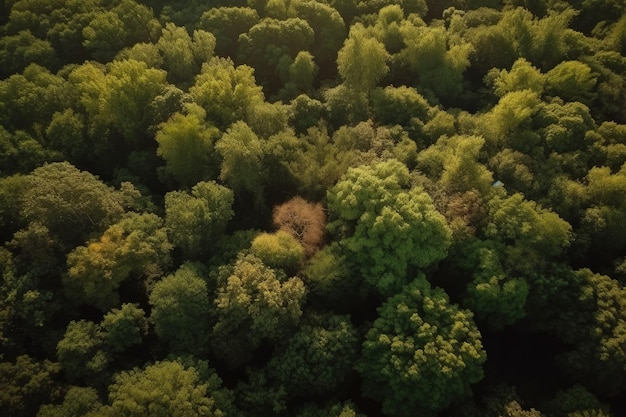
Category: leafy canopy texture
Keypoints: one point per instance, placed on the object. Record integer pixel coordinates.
(387, 226)
(422, 352)
(164, 389)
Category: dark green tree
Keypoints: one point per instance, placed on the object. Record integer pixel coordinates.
(180, 310)
(422, 353)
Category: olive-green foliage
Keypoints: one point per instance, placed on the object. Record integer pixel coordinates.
(186, 144)
(180, 310)
(494, 295)
(333, 409)
(77, 402)
(385, 226)
(227, 92)
(242, 160)
(137, 246)
(317, 358)
(80, 352)
(124, 327)
(278, 250)
(226, 24)
(599, 334)
(69, 202)
(422, 353)
(254, 303)
(165, 388)
(26, 383)
(362, 61)
(196, 220)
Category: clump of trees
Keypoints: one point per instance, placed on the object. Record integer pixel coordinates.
(312, 207)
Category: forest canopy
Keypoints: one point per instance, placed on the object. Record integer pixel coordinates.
(312, 208)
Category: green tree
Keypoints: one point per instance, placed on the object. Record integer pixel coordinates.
(317, 358)
(22, 49)
(166, 388)
(71, 203)
(81, 355)
(226, 92)
(242, 161)
(125, 24)
(253, 303)
(182, 54)
(198, 219)
(124, 327)
(180, 310)
(362, 61)
(596, 329)
(421, 353)
(522, 76)
(136, 247)
(270, 42)
(186, 144)
(386, 227)
(77, 402)
(227, 23)
(25, 384)
(572, 81)
(278, 250)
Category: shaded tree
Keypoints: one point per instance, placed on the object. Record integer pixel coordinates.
(421, 353)
(198, 219)
(180, 310)
(136, 247)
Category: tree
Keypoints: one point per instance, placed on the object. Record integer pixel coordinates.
(186, 144)
(317, 358)
(454, 161)
(572, 81)
(270, 42)
(22, 49)
(180, 310)
(226, 24)
(597, 330)
(278, 250)
(77, 402)
(522, 76)
(386, 227)
(71, 203)
(495, 295)
(124, 327)
(198, 219)
(253, 303)
(400, 105)
(303, 220)
(362, 61)
(421, 353)
(182, 54)
(137, 247)
(125, 24)
(26, 383)
(242, 161)
(226, 92)
(80, 353)
(166, 388)
(20, 153)
(437, 58)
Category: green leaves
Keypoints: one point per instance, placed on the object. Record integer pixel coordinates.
(422, 352)
(198, 219)
(386, 227)
(180, 310)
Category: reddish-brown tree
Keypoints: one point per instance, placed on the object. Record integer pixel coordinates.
(303, 220)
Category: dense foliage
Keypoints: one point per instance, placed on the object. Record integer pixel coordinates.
(312, 208)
